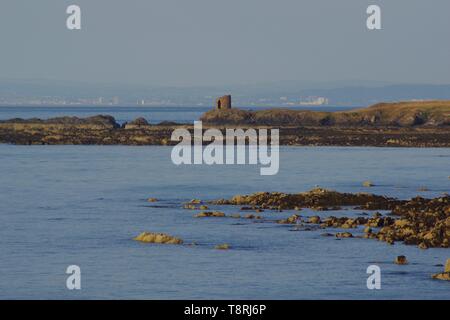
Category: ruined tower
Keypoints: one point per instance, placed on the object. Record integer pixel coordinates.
(223, 103)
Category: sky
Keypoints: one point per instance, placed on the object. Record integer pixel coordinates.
(223, 42)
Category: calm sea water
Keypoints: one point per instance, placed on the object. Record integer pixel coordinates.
(64, 205)
(122, 114)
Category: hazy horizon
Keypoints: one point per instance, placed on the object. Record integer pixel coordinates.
(223, 43)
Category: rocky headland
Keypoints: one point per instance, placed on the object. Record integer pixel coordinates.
(407, 124)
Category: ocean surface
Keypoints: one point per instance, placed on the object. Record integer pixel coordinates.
(82, 205)
(154, 114)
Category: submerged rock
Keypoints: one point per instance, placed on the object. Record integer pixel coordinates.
(150, 237)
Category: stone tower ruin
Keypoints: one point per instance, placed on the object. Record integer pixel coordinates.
(223, 103)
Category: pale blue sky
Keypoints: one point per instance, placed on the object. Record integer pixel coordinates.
(202, 42)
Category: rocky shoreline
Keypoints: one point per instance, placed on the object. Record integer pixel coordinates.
(104, 130)
(424, 223)
(419, 221)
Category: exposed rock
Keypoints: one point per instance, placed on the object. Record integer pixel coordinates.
(344, 235)
(291, 220)
(150, 237)
(104, 130)
(444, 275)
(137, 124)
(152, 200)
(314, 219)
(317, 198)
(252, 216)
(423, 222)
(368, 230)
(368, 184)
(423, 246)
(215, 214)
(401, 260)
(224, 246)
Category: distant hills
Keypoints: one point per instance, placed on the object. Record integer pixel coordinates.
(276, 94)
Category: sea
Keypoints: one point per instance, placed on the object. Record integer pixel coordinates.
(82, 205)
